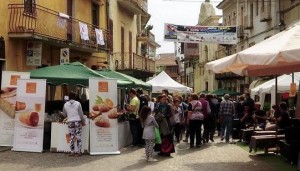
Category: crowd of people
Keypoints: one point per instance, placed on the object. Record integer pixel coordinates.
(182, 119)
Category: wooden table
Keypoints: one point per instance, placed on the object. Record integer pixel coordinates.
(266, 140)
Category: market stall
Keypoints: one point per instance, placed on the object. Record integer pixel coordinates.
(73, 74)
(164, 81)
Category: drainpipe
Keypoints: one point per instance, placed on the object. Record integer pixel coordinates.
(107, 25)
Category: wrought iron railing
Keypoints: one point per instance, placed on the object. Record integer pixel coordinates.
(52, 24)
(132, 61)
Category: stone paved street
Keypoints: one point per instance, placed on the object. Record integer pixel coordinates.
(213, 156)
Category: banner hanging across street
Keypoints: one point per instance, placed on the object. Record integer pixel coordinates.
(197, 34)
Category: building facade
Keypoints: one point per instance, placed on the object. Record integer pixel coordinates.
(134, 45)
(205, 80)
(167, 62)
(32, 33)
(256, 20)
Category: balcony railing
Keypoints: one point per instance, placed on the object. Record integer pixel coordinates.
(52, 25)
(135, 6)
(132, 61)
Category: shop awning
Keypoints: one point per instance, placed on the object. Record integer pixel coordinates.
(135, 83)
(72, 74)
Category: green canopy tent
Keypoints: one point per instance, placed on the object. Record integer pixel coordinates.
(72, 74)
(221, 92)
(120, 76)
(204, 91)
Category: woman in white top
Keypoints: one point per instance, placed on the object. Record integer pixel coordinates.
(73, 110)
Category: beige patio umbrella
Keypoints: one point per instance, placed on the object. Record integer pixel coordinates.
(280, 50)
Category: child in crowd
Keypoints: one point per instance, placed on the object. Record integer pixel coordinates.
(149, 124)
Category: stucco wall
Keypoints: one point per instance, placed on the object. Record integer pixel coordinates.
(15, 48)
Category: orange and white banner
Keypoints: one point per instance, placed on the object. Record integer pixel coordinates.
(30, 113)
(103, 110)
(7, 105)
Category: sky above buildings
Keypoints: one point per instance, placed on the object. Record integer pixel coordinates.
(183, 12)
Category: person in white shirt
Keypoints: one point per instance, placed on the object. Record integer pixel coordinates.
(73, 111)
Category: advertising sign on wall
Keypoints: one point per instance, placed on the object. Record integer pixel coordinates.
(104, 123)
(197, 34)
(34, 53)
(7, 105)
(30, 112)
(64, 56)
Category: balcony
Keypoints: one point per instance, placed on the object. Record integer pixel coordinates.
(147, 37)
(135, 6)
(134, 65)
(47, 25)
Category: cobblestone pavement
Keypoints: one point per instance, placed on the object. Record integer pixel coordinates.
(213, 156)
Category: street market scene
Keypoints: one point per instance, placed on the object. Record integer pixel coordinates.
(150, 85)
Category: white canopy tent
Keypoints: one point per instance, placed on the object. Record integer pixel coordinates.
(268, 87)
(164, 81)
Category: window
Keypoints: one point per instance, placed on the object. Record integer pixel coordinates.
(234, 19)
(257, 7)
(262, 5)
(30, 7)
(206, 54)
(95, 14)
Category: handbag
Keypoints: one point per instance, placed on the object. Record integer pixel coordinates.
(157, 136)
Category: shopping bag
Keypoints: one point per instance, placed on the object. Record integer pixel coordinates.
(157, 136)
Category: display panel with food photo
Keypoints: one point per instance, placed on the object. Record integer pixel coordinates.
(103, 106)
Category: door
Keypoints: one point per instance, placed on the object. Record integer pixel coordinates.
(130, 50)
(70, 23)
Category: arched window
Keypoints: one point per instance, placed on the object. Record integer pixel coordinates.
(205, 54)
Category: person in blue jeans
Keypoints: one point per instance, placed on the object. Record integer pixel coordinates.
(226, 112)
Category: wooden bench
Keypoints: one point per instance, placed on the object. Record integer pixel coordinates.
(266, 140)
(256, 133)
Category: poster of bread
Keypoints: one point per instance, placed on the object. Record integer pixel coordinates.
(7, 105)
(103, 114)
(9, 90)
(29, 118)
